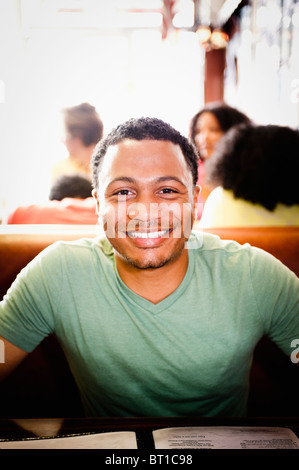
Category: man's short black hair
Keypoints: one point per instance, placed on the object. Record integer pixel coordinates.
(144, 128)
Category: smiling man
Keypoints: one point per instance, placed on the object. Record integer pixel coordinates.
(155, 319)
(146, 199)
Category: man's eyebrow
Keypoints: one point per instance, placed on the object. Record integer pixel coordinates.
(160, 179)
(125, 179)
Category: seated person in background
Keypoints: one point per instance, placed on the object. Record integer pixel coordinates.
(255, 169)
(83, 129)
(206, 129)
(155, 319)
(70, 202)
(73, 186)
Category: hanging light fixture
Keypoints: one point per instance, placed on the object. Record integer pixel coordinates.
(204, 34)
(219, 39)
(212, 38)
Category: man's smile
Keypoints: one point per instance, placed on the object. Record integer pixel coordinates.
(149, 234)
(149, 239)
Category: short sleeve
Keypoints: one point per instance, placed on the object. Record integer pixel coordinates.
(276, 290)
(27, 310)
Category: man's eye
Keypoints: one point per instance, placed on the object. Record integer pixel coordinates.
(168, 191)
(122, 192)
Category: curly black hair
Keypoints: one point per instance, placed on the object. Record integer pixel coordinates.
(75, 186)
(226, 115)
(258, 163)
(144, 128)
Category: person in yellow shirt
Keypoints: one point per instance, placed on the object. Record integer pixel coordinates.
(83, 130)
(255, 170)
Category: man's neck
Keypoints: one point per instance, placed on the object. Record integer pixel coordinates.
(153, 285)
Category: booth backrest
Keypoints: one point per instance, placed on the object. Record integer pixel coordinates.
(42, 386)
(20, 244)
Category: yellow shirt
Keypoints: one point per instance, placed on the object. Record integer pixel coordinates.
(68, 166)
(222, 209)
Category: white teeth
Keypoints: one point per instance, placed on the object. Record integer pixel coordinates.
(147, 234)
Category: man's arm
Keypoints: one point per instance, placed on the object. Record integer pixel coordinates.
(10, 357)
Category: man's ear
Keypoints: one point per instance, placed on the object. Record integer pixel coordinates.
(196, 194)
(95, 195)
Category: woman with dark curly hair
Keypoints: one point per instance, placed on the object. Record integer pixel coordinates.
(206, 129)
(255, 170)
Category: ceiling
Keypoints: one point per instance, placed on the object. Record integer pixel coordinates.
(217, 12)
(104, 14)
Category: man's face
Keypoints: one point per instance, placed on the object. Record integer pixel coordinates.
(146, 202)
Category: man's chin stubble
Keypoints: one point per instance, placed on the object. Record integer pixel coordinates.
(150, 264)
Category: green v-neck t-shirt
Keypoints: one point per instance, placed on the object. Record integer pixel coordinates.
(190, 354)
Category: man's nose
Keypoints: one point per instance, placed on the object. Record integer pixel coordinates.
(143, 211)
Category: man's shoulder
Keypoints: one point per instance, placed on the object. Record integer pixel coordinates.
(212, 249)
(78, 249)
(84, 244)
(204, 241)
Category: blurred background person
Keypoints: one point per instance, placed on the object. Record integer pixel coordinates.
(83, 128)
(255, 170)
(207, 127)
(70, 202)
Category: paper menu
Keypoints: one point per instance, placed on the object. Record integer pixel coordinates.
(109, 440)
(209, 437)
(225, 437)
